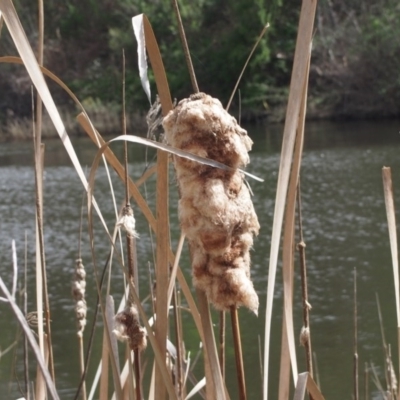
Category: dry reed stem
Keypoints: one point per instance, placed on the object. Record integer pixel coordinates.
(185, 46)
(41, 278)
(162, 267)
(129, 318)
(238, 353)
(25, 342)
(305, 335)
(98, 281)
(306, 382)
(213, 372)
(366, 382)
(391, 218)
(355, 356)
(390, 374)
(178, 339)
(288, 351)
(104, 378)
(127, 322)
(245, 65)
(298, 79)
(39, 104)
(284, 370)
(162, 223)
(222, 330)
(136, 334)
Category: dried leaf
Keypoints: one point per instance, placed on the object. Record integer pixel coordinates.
(138, 28)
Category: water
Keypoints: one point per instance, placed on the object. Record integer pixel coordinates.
(344, 224)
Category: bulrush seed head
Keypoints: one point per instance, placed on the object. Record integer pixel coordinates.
(127, 328)
(215, 207)
(128, 222)
(78, 293)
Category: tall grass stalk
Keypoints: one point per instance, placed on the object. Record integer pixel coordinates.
(297, 85)
(162, 225)
(260, 36)
(213, 371)
(179, 349)
(222, 337)
(41, 277)
(366, 381)
(40, 57)
(185, 46)
(305, 335)
(131, 244)
(238, 354)
(288, 352)
(391, 218)
(305, 383)
(355, 356)
(25, 343)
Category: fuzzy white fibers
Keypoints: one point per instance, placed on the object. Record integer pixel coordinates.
(127, 328)
(215, 208)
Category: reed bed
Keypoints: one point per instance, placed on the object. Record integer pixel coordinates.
(218, 221)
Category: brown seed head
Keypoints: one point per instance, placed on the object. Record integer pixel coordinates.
(215, 209)
(127, 328)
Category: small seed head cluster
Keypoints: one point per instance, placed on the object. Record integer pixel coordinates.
(127, 328)
(304, 336)
(215, 208)
(78, 293)
(128, 222)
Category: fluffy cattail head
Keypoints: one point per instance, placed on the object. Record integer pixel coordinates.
(201, 126)
(127, 328)
(128, 222)
(304, 336)
(215, 209)
(78, 293)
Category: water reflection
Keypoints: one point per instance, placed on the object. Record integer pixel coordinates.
(344, 228)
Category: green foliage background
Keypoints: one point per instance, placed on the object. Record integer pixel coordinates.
(354, 69)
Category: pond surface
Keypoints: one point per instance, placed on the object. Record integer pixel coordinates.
(344, 225)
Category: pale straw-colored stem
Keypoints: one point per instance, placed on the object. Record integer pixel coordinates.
(185, 47)
(304, 289)
(222, 330)
(26, 359)
(215, 386)
(355, 356)
(179, 380)
(238, 353)
(82, 366)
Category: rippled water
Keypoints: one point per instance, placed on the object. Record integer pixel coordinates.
(344, 228)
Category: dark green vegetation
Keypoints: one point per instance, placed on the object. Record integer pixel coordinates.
(354, 70)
